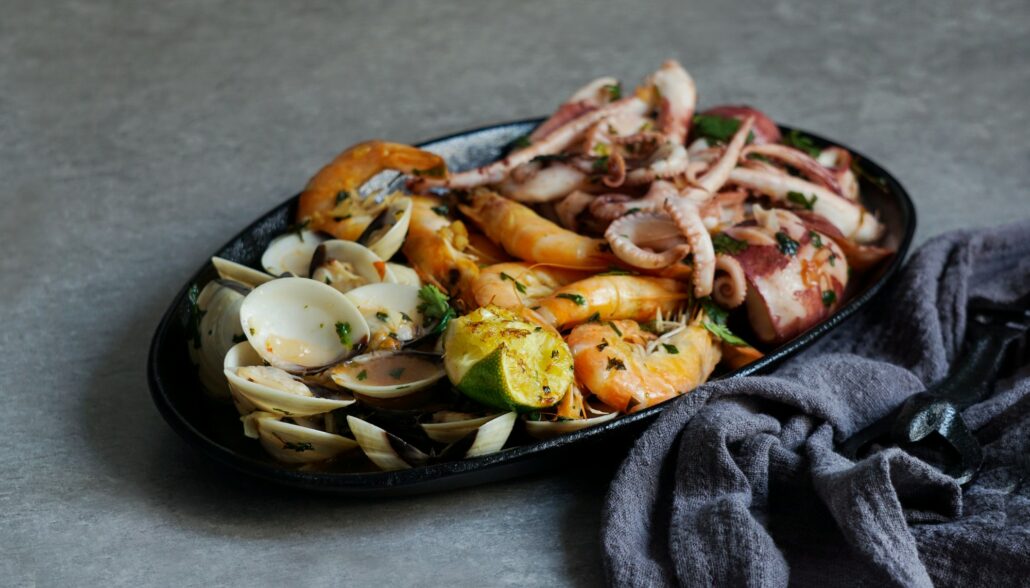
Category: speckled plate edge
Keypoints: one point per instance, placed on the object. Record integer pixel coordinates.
(510, 462)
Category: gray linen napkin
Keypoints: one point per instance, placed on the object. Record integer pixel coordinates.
(739, 483)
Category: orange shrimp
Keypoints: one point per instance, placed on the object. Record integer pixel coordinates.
(519, 283)
(436, 249)
(609, 297)
(331, 202)
(629, 368)
(528, 236)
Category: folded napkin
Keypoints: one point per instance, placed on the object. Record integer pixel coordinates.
(739, 483)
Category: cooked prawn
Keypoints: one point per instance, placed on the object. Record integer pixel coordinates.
(519, 283)
(436, 249)
(331, 201)
(528, 236)
(609, 297)
(627, 367)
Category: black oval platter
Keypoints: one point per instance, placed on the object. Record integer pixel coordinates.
(215, 429)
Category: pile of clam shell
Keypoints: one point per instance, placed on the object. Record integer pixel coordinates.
(326, 352)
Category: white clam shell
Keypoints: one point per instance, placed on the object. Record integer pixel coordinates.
(357, 265)
(264, 396)
(219, 329)
(388, 374)
(492, 436)
(293, 324)
(404, 274)
(293, 443)
(548, 429)
(389, 308)
(230, 270)
(387, 241)
(291, 253)
(451, 431)
(376, 443)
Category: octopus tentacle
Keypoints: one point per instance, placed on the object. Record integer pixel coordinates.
(678, 98)
(814, 171)
(688, 219)
(838, 160)
(671, 162)
(587, 98)
(646, 240)
(570, 207)
(534, 182)
(730, 288)
(610, 207)
(719, 172)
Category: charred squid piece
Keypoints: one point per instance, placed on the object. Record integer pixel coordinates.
(795, 276)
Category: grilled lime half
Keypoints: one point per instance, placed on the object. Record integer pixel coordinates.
(499, 359)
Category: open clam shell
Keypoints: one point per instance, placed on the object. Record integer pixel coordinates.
(257, 387)
(387, 451)
(404, 274)
(451, 426)
(548, 429)
(291, 253)
(230, 270)
(391, 311)
(217, 331)
(389, 374)
(346, 265)
(492, 436)
(294, 443)
(385, 234)
(302, 325)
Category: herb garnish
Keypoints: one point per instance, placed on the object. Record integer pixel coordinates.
(441, 210)
(616, 329)
(600, 164)
(829, 297)
(594, 317)
(195, 314)
(615, 363)
(614, 91)
(341, 196)
(383, 316)
(723, 243)
(817, 240)
(298, 447)
(362, 375)
(545, 159)
(437, 171)
(520, 287)
(435, 307)
(786, 245)
(343, 332)
(833, 260)
(799, 199)
(717, 129)
(602, 344)
(801, 142)
(405, 316)
(521, 142)
(299, 228)
(670, 349)
(579, 300)
(716, 323)
(554, 354)
(396, 373)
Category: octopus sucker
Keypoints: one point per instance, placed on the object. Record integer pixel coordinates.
(687, 218)
(646, 240)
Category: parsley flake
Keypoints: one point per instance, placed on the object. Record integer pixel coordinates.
(829, 297)
(799, 199)
(670, 349)
(343, 332)
(615, 363)
(520, 287)
(723, 243)
(786, 245)
(579, 300)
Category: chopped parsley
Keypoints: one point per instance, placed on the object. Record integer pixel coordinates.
(441, 210)
(801, 142)
(817, 240)
(194, 316)
(520, 287)
(715, 128)
(786, 245)
(362, 375)
(298, 228)
(579, 300)
(341, 196)
(602, 345)
(343, 332)
(614, 91)
(833, 260)
(521, 142)
(545, 159)
(615, 363)
(670, 349)
(600, 164)
(799, 199)
(616, 329)
(724, 243)
(396, 373)
(554, 354)
(298, 447)
(405, 316)
(716, 323)
(594, 317)
(382, 316)
(435, 307)
(829, 297)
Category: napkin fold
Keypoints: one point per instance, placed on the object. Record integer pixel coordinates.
(739, 483)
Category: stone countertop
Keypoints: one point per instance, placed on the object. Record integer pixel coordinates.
(135, 137)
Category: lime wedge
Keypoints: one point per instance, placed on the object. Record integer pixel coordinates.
(496, 358)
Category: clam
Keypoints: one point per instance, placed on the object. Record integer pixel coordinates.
(230, 270)
(294, 442)
(215, 316)
(548, 429)
(404, 274)
(449, 426)
(345, 265)
(386, 233)
(488, 438)
(302, 325)
(392, 313)
(387, 451)
(291, 253)
(258, 387)
(389, 374)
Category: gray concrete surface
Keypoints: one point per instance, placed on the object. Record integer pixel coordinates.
(136, 136)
